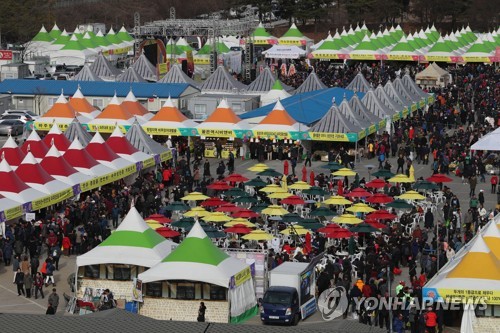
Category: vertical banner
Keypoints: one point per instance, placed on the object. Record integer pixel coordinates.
(190, 63)
(137, 290)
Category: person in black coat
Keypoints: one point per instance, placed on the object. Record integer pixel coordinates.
(19, 281)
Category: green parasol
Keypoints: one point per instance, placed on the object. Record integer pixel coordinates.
(383, 173)
(256, 182)
(245, 199)
(315, 190)
(399, 204)
(291, 217)
(177, 205)
(322, 211)
(270, 173)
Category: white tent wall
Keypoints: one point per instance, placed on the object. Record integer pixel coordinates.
(242, 298)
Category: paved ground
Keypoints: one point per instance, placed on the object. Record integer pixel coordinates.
(11, 303)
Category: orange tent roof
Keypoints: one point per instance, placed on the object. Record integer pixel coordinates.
(61, 109)
(169, 113)
(278, 116)
(132, 106)
(223, 114)
(80, 103)
(114, 111)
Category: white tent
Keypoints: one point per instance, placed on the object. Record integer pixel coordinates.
(284, 52)
(73, 53)
(488, 142)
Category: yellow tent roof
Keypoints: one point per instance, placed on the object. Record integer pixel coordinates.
(491, 236)
(479, 263)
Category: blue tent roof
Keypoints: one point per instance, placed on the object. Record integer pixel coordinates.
(51, 87)
(307, 107)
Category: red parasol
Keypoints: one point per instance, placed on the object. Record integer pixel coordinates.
(439, 178)
(379, 198)
(167, 232)
(213, 202)
(285, 167)
(159, 218)
(329, 228)
(228, 208)
(358, 193)
(311, 178)
(376, 183)
(304, 173)
(340, 187)
(239, 229)
(339, 233)
(376, 224)
(293, 200)
(219, 186)
(381, 215)
(245, 213)
(235, 178)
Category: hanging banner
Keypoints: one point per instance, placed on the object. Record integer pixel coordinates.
(372, 129)
(224, 133)
(421, 104)
(165, 156)
(405, 112)
(13, 212)
(137, 290)
(52, 199)
(109, 178)
(104, 128)
(150, 162)
(413, 107)
(41, 126)
(336, 137)
(153, 130)
(190, 63)
(240, 278)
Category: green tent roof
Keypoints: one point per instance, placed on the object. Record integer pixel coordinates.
(208, 48)
(124, 35)
(479, 47)
(277, 85)
(112, 38)
(172, 48)
(74, 44)
(88, 41)
(366, 45)
(101, 40)
(440, 46)
(62, 39)
(183, 45)
(353, 36)
(330, 45)
(340, 42)
(42, 36)
(55, 32)
(403, 45)
(293, 32)
(148, 239)
(347, 39)
(260, 31)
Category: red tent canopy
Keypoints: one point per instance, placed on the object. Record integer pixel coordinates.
(381, 215)
(379, 198)
(213, 202)
(376, 183)
(219, 186)
(439, 178)
(235, 178)
(293, 200)
(162, 219)
(358, 193)
(245, 213)
(228, 208)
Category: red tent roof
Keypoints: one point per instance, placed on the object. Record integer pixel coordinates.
(100, 150)
(30, 171)
(119, 143)
(10, 181)
(11, 152)
(56, 137)
(35, 145)
(79, 157)
(55, 164)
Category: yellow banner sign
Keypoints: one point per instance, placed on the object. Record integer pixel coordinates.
(120, 50)
(372, 129)
(165, 156)
(292, 42)
(14, 212)
(102, 128)
(477, 59)
(40, 126)
(321, 136)
(51, 199)
(271, 134)
(326, 56)
(361, 135)
(414, 107)
(202, 60)
(401, 57)
(382, 123)
(162, 131)
(421, 103)
(242, 277)
(211, 153)
(362, 56)
(396, 116)
(466, 295)
(438, 58)
(109, 178)
(216, 133)
(406, 112)
(150, 162)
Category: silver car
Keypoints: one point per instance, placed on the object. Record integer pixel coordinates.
(13, 127)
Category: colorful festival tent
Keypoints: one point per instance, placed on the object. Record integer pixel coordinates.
(57, 166)
(169, 120)
(12, 153)
(82, 161)
(100, 150)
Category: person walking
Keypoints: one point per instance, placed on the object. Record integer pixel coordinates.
(38, 285)
(19, 281)
(50, 273)
(28, 284)
(54, 300)
(430, 318)
(201, 312)
(472, 185)
(494, 182)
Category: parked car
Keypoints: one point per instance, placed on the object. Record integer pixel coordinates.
(13, 127)
(26, 114)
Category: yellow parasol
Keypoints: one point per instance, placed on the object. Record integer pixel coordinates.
(337, 200)
(411, 195)
(360, 208)
(344, 172)
(347, 219)
(240, 220)
(258, 235)
(258, 167)
(279, 195)
(153, 224)
(295, 230)
(271, 188)
(195, 196)
(400, 178)
(217, 217)
(197, 211)
(300, 185)
(274, 210)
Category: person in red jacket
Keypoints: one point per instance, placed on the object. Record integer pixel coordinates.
(430, 318)
(494, 182)
(66, 245)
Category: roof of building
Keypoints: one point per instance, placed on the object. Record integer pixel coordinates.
(142, 141)
(359, 83)
(334, 122)
(311, 83)
(106, 89)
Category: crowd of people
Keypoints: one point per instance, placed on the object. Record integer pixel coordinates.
(438, 137)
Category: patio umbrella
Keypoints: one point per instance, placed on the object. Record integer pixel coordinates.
(259, 207)
(246, 213)
(376, 183)
(344, 172)
(291, 217)
(153, 224)
(383, 173)
(311, 178)
(269, 173)
(213, 202)
(332, 166)
(219, 186)
(425, 186)
(160, 218)
(315, 190)
(177, 206)
(274, 210)
(340, 233)
(167, 232)
(217, 217)
(195, 196)
(400, 178)
(381, 215)
(258, 235)
(322, 211)
(235, 178)
(329, 228)
(300, 185)
(228, 208)
(256, 182)
(245, 199)
(234, 192)
(238, 229)
(304, 173)
(240, 221)
(376, 224)
(439, 178)
(358, 192)
(360, 208)
(337, 200)
(279, 195)
(314, 225)
(183, 223)
(295, 230)
(293, 200)
(197, 211)
(399, 204)
(271, 188)
(379, 198)
(347, 219)
(363, 227)
(411, 195)
(258, 167)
